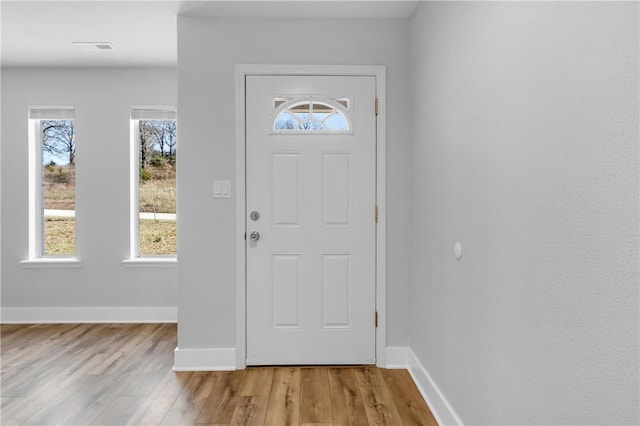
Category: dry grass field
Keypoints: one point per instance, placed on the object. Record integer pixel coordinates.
(60, 236)
(157, 195)
(59, 187)
(157, 238)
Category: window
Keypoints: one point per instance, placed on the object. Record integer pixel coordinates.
(52, 189)
(153, 181)
(311, 115)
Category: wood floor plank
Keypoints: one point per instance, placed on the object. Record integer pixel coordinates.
(98, 394)
(317, 424)
(315, 401)
(369, 375)
(119, 411)
(407, 398)
(81, 374)
(346, 401)
(46, 403)
(14, 411)
(250, 411)
(379, 406)
(186, 409)
(156, 406)
(258, 382)
(6, 402)
(284, 402)
(60, 404)
(20, 410)
(142, 383)
(222, 401)
(49, 365)
(97, 391)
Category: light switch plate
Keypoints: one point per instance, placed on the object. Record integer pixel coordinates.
(221, 189)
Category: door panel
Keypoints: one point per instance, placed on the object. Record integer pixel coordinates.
(336, 294)
(336, 189)
(311, 273)
(286, 189)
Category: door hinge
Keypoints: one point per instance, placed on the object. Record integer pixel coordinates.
(376, 320)
(245, 236)
(376, 106)
(376, 213)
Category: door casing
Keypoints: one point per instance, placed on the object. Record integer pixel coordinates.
(377, 71)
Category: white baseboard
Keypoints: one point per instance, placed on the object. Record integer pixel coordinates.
(403, 357)
(438, 403)
(157, 314)
(211, 359)
(397, 357)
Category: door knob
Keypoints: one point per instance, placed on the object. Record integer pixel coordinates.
(254, 236)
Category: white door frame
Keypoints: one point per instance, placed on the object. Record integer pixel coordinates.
(380, 73)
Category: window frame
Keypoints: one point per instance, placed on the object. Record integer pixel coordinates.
(36, 234)
(137, 114)
(284, 103)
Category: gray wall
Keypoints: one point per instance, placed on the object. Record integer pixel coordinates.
(208, 50)
(525, 150)
(520, 126)
(102, 100)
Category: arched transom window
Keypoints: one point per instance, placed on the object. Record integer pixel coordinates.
(311, 115)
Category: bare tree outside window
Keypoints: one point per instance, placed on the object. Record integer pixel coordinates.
(157, 187)
(59, 140)
(58, 145)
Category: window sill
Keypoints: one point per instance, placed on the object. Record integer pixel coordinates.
(151, 262)
(52, 262)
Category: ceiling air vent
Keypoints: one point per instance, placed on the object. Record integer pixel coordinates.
(93, 46)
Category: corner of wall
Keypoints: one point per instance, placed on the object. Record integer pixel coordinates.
(436, 400)
(401, 357)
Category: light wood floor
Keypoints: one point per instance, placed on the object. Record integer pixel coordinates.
(112, 374)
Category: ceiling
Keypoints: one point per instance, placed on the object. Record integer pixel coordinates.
(143, 33)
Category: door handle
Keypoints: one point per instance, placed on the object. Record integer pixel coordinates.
(254, 236)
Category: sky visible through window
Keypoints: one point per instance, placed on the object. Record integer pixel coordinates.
(58, 152)
(58, 141)
(311, 116)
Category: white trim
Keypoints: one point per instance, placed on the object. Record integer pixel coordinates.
(36, 208)
(433, 396)
(52, 262)
(151, 262)
(380, 73)
(134, 179)
(397, 357)
(52, 112)
(153, 112)
(35, 229)
(241, 254)
(210, 359)
(54, 315)
(402, 357)
(381, 202)
(137, 113)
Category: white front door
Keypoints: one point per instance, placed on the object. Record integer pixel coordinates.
(310, 219)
